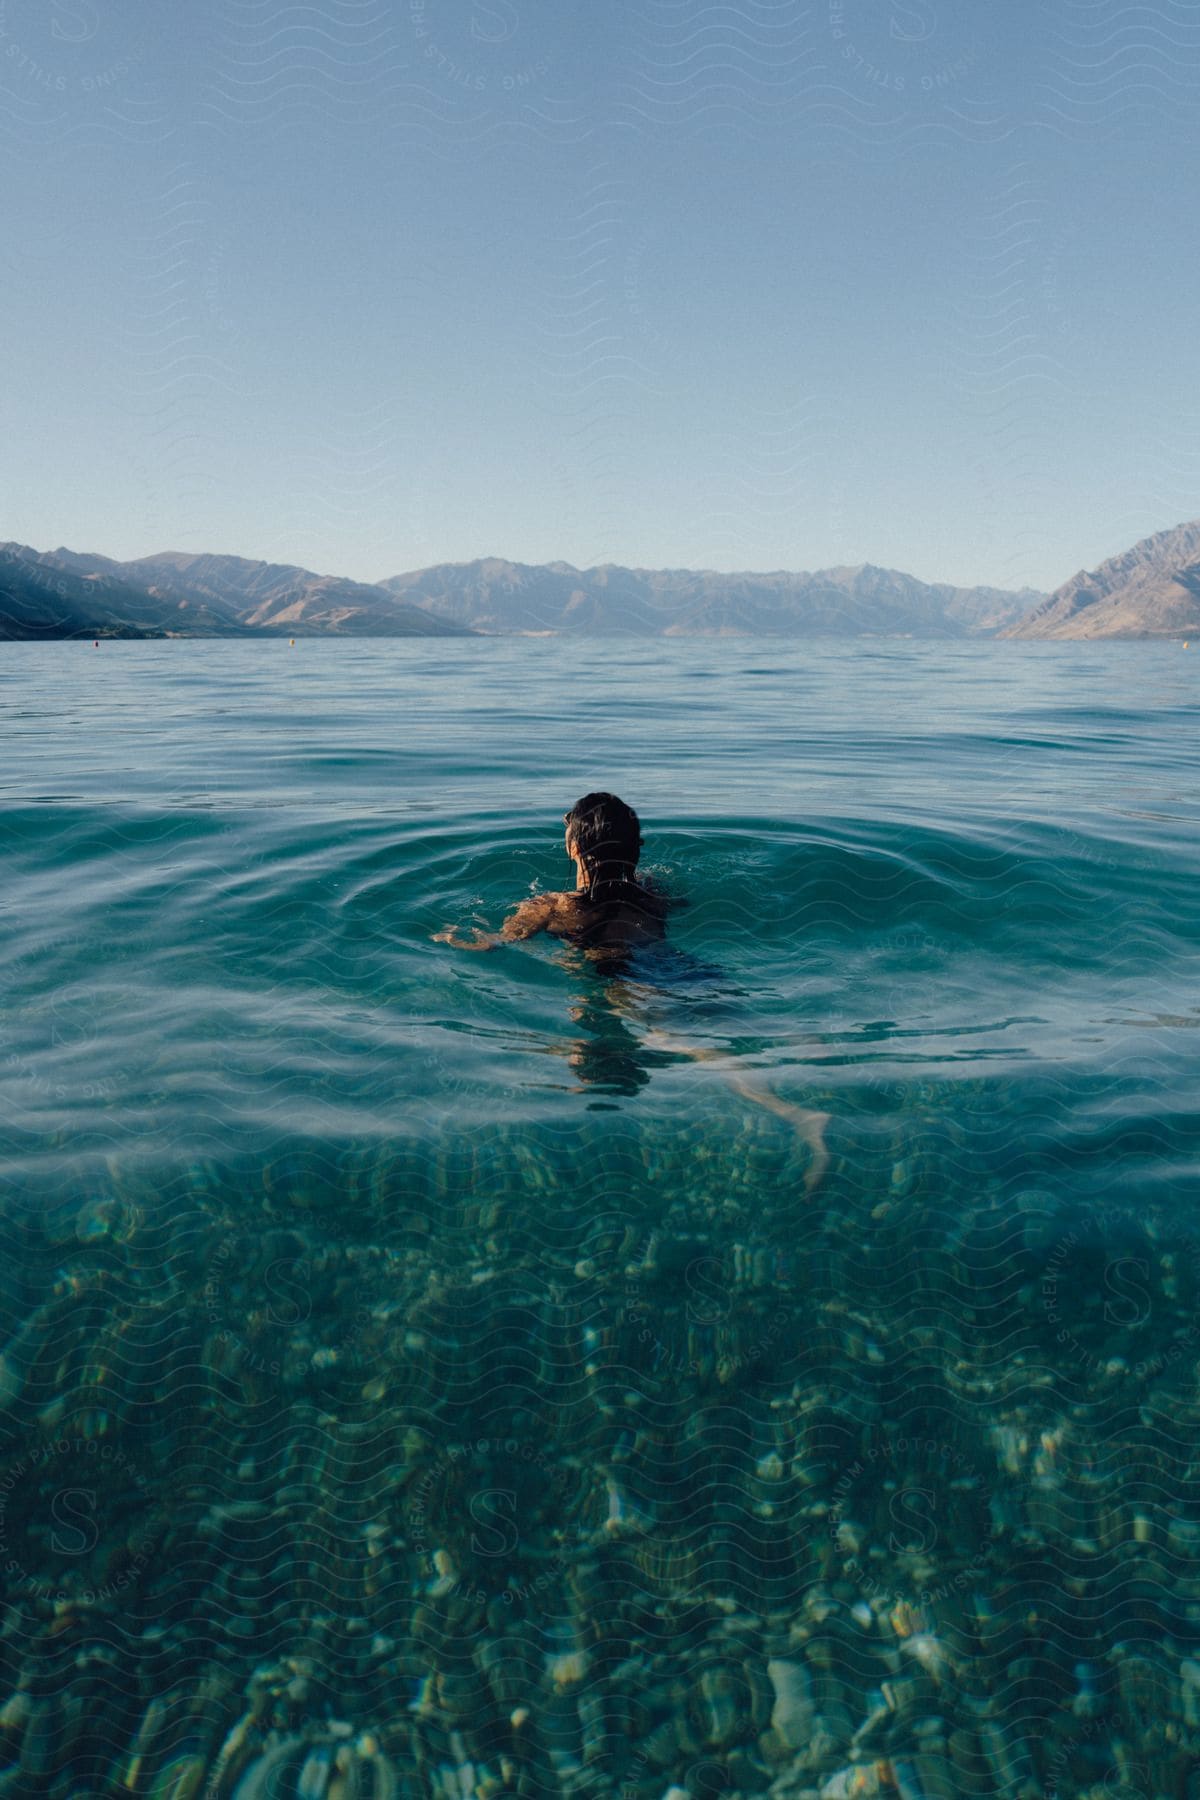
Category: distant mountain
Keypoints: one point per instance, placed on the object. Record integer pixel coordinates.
(503, 597)
(260, 596)
(1152, 590)
(40, 599)
(62, 593)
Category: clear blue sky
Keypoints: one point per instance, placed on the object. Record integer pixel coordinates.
(371, 284)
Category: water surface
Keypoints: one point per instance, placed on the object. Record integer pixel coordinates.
(457, 1349)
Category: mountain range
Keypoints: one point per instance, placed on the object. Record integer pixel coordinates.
(497, 596)
(1152, 590)
(60, 593)
(63, 593)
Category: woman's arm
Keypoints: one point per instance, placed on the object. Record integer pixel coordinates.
(531, 916)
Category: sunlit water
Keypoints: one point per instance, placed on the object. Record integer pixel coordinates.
(424, 1352)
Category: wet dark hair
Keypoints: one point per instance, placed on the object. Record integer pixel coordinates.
(608, 837)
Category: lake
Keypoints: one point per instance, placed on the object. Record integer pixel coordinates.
(423, 1373)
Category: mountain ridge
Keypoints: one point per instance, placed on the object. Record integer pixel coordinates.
(175, 593)
(497, 596)
(1150, 590)
(41, 598)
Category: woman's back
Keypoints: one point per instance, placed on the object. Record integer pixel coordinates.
(630, 914)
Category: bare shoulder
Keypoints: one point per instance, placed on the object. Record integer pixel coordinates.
(559, 914)
(563, 914)
(538, 913)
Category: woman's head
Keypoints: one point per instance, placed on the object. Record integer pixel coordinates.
(605, 835)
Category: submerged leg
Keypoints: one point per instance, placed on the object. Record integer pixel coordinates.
(809, 1124)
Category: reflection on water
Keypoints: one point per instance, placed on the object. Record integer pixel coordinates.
(443, 1376)
(609, 1054)
(619, 1039)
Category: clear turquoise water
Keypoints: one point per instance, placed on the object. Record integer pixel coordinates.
(512, 1328)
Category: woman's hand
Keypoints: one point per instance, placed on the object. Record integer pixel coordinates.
(483, 940)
